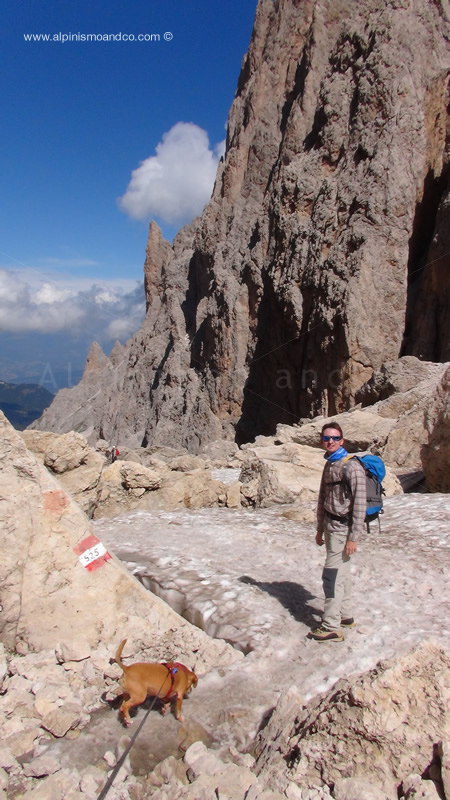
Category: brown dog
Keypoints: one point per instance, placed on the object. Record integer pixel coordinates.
(165, 681)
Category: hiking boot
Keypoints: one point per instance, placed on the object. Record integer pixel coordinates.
(322, 634)
(349, 622)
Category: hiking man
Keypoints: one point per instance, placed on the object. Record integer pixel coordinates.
(341, 512)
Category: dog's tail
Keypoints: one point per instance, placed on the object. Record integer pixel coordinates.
(119, 653)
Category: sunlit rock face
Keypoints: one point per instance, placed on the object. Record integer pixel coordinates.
(436, 453)
(323, 251)
(59, 586)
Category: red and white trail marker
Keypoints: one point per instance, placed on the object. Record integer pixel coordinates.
(92, 553)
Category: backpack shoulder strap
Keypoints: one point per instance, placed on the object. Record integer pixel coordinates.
(345, 466)
(347, 460)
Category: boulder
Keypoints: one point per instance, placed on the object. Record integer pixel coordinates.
(424, 410)
(414, 788)
(66, 452)
(397, 377)
(274, 474)
(77, 466)
(363, 430)
(398, 405)
(39, 441)
(220, 452)
(187, 463)
(289, 473)
(126, 486)
(135, 476)
(81, 482)
(404, 444)
(162, 453)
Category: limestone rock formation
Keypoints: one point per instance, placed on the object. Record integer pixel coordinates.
(169, 479)
(323, 252)
(377, 729)
(436, 451)
(363, 430)
(58, 586)
(274, 472)
(397, 378)
(398, 425)
(124, 488)
(287, 473)
(93, 407)
(77, 466)
(408, 439)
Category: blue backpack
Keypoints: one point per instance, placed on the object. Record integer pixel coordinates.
(375, 472)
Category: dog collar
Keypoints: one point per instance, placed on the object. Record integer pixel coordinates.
(173, 667)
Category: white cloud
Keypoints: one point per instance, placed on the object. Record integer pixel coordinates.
(176, 183)
(105, 297)
(62, 306)
(50, 294)
(124, 327)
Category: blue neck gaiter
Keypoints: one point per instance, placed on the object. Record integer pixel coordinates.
(341, 453)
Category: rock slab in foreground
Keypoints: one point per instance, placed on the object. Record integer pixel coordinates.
(49, 597)
(378, 728)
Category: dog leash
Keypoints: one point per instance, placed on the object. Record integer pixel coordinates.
(130, 744)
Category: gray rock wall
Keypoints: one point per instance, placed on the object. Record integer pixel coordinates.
(321, 254)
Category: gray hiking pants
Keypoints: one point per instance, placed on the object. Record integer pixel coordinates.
(336, 577)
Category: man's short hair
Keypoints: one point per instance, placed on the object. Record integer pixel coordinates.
(332, 425)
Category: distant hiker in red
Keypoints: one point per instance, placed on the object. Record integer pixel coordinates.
(114, 454)
(341, 512)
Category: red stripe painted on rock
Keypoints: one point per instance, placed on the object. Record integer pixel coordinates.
(86, 544)
(91, 553)
(98, 562)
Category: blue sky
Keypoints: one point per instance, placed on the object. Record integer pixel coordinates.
(97, 138)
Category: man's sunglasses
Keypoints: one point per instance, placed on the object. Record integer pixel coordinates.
(331, 438)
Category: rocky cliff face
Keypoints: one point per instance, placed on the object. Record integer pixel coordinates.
(324, 249)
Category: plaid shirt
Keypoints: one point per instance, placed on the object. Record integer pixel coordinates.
(343, 498)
